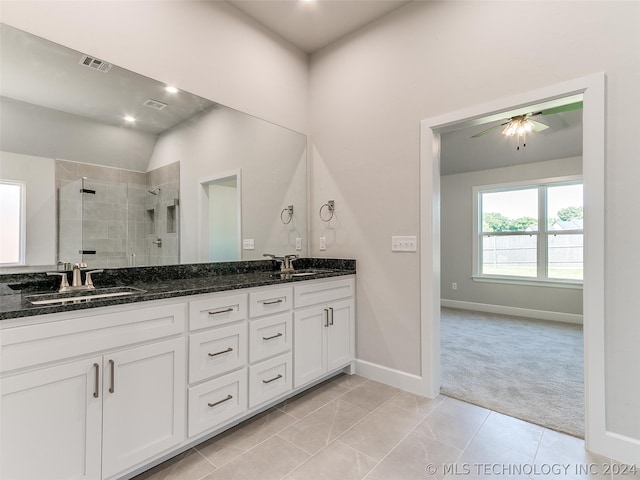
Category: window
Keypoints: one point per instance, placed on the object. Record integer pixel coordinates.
(530, 232)
(12, 212)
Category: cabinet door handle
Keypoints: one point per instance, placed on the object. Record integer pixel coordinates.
(272, 302)
(272, 336)
(326, 317)
(273, 379)
(220, 353)
(112, 388)
(331, 312)
(229, 397)
(96, 390)
(218, 312)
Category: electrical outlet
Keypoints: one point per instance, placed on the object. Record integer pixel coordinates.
(298, 244)
(248, 244)
(404, 244)
(323, 243)
(454, 286)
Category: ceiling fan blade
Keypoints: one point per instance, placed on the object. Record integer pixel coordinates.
(539, 126)
(488, 130)
(560, 109)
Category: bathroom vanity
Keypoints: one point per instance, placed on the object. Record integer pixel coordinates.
(105, 389)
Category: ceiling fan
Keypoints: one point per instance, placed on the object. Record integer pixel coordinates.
(520, 125)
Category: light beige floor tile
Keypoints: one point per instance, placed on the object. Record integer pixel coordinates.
(370, 395)
(349, 381)
(189, 465)
(380, 431)
(302, 405)
(336, 462)
(227, 446)
(318, 429)
(417, 457)
(271, 460)
(415, 403)
(487, 460)
(453, 423)
(564, 449)
(516, 434)
(623, 471)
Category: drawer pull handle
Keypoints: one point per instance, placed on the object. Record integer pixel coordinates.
(272, 302)
(331, 312)
(326, 317)
(229, 397)
(218, 312)
(96, 391)
(112, 388)
(273, 379)
(220, 353)
(272, 336)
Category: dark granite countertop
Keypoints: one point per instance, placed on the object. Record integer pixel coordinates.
(160, 283)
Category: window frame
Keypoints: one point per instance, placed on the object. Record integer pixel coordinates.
(542, 234)
(23, 222)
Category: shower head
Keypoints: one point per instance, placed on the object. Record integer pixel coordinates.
(154, 191)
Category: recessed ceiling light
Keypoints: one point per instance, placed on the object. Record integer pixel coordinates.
(129, 118)
(171, 89)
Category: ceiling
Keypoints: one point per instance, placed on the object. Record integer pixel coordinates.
(43, 73)
(312, 25)
(460, 153)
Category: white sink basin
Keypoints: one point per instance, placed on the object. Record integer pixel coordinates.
(82, 296)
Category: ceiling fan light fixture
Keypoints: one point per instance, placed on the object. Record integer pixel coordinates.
(518, 126)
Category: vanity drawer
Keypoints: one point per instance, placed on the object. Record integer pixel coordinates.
(217, 351)
(269, 379)
(272, 300)
(269, 336)
(218, 310)
(217, 401)
(323, 292)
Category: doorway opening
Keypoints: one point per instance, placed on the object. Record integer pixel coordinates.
(593, 90)
(220, 218)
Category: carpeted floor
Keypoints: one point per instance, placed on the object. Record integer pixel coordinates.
(524, 368)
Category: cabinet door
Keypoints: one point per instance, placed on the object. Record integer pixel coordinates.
(340, 335)
(51, 423)
(144, 403)
(309, 336)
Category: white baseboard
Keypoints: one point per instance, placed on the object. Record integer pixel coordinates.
(515, 311)
(389, 376)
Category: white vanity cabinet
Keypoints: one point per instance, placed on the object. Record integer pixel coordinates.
(324, 328)
(92, 417)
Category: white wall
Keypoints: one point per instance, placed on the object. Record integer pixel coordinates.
(368, 94)
(456, 224)
(210, 49)
(272, 161)
(39, 176)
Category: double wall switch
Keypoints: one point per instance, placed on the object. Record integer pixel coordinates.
(248, 244)
(404, 244)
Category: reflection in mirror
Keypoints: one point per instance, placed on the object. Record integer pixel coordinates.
(112, 192)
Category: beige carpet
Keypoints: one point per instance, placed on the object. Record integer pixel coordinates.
(524, 368)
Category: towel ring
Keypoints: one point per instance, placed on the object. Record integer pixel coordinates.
(330, 206)
(289, 210)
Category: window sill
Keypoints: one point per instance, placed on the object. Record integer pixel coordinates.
(572, 284)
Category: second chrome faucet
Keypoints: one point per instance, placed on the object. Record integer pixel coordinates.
(286, 261)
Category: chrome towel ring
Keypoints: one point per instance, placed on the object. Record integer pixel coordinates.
(330, 208)
(287, 219)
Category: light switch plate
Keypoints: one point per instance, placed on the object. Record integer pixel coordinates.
(298, 243)
(404, 244)
(323, 243)
(248, 244)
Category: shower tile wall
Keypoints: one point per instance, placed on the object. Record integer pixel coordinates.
(116, 221)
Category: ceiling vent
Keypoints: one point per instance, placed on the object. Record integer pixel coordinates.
(155, 104)
(95, 64)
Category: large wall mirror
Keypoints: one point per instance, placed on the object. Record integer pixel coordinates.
(103, 165)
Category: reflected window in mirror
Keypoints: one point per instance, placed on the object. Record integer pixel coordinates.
(12, 212)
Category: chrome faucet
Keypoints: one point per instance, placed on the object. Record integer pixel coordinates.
(76, 282)
(286, 261)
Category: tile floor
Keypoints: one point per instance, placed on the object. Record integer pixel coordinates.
(353, 428)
